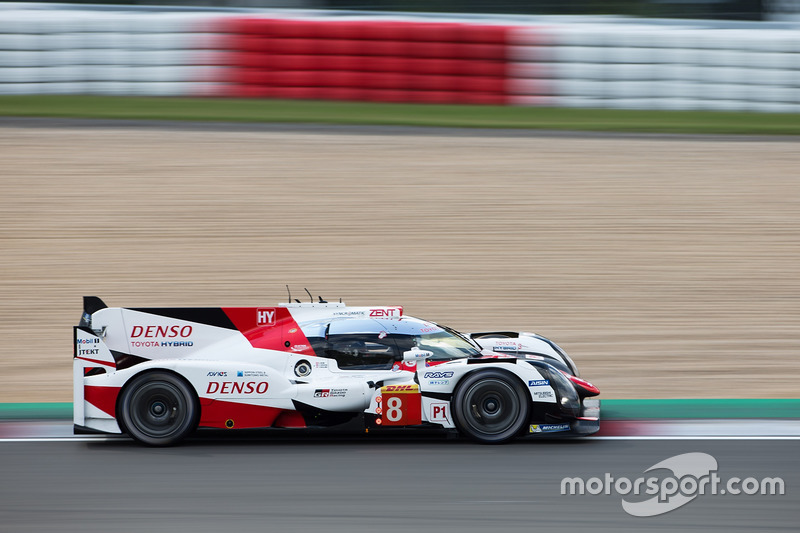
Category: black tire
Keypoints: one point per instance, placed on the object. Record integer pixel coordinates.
(158, 409)
(491, 406)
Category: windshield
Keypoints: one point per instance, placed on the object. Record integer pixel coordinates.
(446, 346)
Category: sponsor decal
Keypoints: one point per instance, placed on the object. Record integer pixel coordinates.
(400, 388)
(160, 344)
(349, 313)
(93, 340)
(330, 393)
(548, 428)
(438, 375)
(169, 332)
(508, 344)
(399, 407)
(293, 330)
(299, 347)
(439, 382)
(251, 374)
(265, 316)
(396, 367)
(538, 382)
(505, 349)
(320, 364)
(544, 394)
(385, 313)
(237, 387)
(438, 411)
(218, 374)
(689, 475)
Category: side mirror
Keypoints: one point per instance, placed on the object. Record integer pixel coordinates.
(415, 354)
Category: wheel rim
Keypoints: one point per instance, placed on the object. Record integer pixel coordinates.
(158, 409)
(492, 406)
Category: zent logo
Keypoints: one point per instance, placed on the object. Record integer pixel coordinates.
(265, 317)
(385, 313)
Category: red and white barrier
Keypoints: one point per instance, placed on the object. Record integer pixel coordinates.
(635, 66)
(386, 61)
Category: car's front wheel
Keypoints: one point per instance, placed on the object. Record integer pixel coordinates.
(491, 406)
(158, 409)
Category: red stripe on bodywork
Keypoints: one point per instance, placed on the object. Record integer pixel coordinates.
(290, 419)
(104, 398)
(215, 414)
(283, 334)
(97, 361)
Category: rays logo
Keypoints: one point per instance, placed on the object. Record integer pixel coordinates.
(438, 375)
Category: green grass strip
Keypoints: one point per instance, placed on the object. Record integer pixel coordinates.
(610, 409)
(319, 112)
(689, 409)
(35, 411)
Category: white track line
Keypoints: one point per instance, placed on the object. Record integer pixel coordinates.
(62, 439)
(695, 437)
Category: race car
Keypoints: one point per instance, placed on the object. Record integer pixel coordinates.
(158, 374)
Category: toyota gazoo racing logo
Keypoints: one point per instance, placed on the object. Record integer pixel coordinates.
(438, 375)
(692, 475)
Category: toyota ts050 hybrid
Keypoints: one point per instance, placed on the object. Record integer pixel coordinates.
(158, 374)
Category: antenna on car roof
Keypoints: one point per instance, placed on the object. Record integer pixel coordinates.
(309, 295)
(290, 295)
(321, 300)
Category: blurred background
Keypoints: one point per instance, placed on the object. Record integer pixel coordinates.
(667, 266)
(705, 9)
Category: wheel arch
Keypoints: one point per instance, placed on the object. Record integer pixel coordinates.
(155, 370)
(506, 372)
(499, 368)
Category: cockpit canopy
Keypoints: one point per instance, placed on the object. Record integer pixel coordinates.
(371, 343)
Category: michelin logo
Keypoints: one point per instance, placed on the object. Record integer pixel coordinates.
(548, 428)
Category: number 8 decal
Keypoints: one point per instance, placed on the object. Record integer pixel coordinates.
(402, 405)
(394, 410)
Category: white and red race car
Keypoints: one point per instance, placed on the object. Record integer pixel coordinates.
(158, 374)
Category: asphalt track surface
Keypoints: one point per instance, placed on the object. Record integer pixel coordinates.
(354, 484)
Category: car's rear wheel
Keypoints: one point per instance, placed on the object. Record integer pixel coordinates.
(158, 409)
(491, 406)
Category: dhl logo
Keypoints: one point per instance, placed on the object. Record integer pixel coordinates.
(400, 388)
